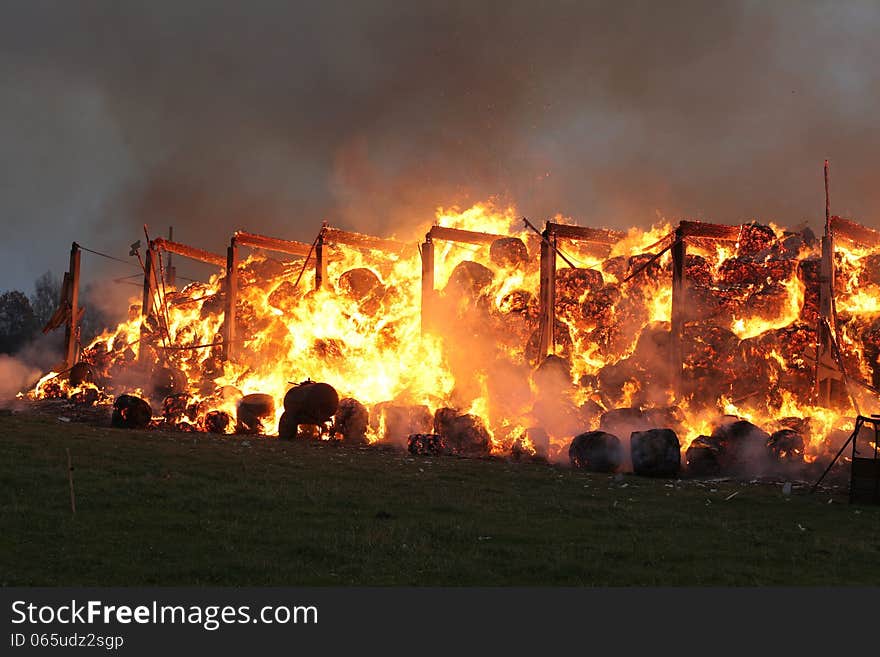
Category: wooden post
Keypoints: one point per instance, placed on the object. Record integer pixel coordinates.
(547, 320)
(71, 333)
(171, 270)
(147, 299)
(70, 482)
(676, 342)
(229, 328)
(427, 282)
(826, 366)
(320, 262)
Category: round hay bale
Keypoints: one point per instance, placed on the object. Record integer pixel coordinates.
(252, 410)
(167, 381)
(130, 412)
(508, 252)
(655, 453)
(469, 278)
(359, 283)
(311, 402)
(81, 373)
(351, 420)
(218, 422)
(596, 451)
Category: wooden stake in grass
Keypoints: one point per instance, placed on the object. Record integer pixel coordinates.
(70, 479)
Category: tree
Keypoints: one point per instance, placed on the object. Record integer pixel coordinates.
(17, 322)
(44, 301)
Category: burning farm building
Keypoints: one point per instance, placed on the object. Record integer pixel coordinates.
(494, 337)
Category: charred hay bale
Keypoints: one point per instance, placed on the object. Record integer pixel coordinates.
(597, 308)
(870, 336)
(167, 381)
(703, 457)
(615, 377)
(533, 441)
(284, 297)
(809, 271)
(786, 446)
(652, 347)
(395, 422)
(218, 422)
(664, 417)
(715, 305)
(869, 270)
(259, 269)
(697, 271)
(636, 262)
(754, 238)
(508, 252)
(425, 444)
(742, 447)
(769, 302)
(311, 402)
(562, 339)
(212, 305)
(469, 279)
(572, 283)
(464, 434)
(80, 373)
(655, 453)
(360, 283)
(86, 396)
(351, 421)
(616, 267)
(596, 451)
(174, 407)
(519, 302)
(130, 412)
(253, 410)
(741, 271)
(708, 349)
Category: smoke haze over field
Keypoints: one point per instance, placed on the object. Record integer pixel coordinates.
(272, 116)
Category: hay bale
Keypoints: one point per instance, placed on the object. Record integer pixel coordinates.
(508, 252)
(426, 444)
(130, 412)
(351, 421)
(464, 434)
(655, 453)
(596, 451)
(252, 411)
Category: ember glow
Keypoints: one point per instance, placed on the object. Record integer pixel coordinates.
(749, 340)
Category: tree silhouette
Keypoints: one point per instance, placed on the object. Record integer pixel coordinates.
(17, 322)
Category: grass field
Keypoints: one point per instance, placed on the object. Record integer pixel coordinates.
(181, 509)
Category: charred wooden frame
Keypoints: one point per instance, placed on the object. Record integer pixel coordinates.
(427, 253)
(70, 294)
(599, 239)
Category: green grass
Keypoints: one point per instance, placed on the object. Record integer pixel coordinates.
(181, 509)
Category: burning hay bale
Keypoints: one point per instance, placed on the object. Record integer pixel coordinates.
(309, 403)
(360, 283)
(597, 451)
(469, 279)
(508, 252)
(130, 412)
(253, 410)
(787, 446)
(754, 238)
(703, 457)
(464, 434)
(351, 421)
(167, 381)
(175, 407)
(742, 447)
(655, 453)
(426, 444)
(218, 422)
(81, 373)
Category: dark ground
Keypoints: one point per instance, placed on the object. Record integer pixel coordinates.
(189, 509)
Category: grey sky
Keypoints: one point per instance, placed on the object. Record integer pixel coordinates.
(273, 116)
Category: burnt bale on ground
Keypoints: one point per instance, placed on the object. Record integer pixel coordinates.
(174, 407)
(426, 444)
(395, 422)
(351, 421)
(742, 447)
(311, 402)
(596, 451)
(130, 412)
(508, 252)
(464, 434)
(81, 373)
(786, 446)
(655, 453)
(217, 422)
(252, 411)
(703, 457)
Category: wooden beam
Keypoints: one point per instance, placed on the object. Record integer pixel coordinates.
(459, 235)
(679, 301)
(585, 234)
(320, 262)
(289, 247)
(701, 229)
(229, 327)
(853, 232)
(189, 252)
(147, 300)
(427, 282)
(337, 236)
(547, 295)
(71, 332)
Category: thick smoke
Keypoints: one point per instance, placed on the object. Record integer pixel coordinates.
(273, 116)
